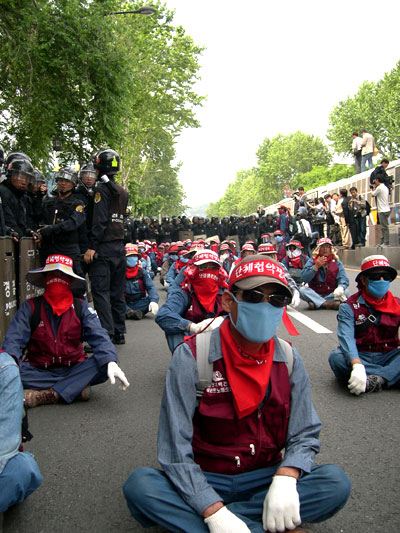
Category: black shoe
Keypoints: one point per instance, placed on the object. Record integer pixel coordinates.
(374, 383)
(134, 314)
(119, 338)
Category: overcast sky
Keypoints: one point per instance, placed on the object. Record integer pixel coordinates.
(274, 67)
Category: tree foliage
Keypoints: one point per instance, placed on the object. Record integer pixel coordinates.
(280, 161)
(375, 107)
(322, 176)
(71, 70)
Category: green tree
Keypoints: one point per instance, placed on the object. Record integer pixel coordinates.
(322, 176)
(284, 157)
(70, 69)
(353, 114)
(375, 107)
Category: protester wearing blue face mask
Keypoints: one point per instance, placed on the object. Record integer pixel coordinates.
(180, 262)
(141, 296)
(368, 323)
(223, 471)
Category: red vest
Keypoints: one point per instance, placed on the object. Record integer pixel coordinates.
(196, 313)
(65, 350)
(330, 283)
(223, 443)
(382, 338)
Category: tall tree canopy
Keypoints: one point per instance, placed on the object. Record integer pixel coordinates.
(375, 107)
(73, 70)
(280, 161)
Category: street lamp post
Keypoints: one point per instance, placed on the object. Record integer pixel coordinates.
(145, 10)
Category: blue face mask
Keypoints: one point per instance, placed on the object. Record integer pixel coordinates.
(184, 259)
(379, 288)
(174, 257)
(132, 261)
(278, 238)
(257, 322)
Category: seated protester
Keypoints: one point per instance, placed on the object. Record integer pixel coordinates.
(234, 249)
(369, 356)
(51, 328)
(295, 260)
(222, 468)
(145, 259)
(187, 254)
(193, 306)
(265, 238)
(152, 253)
(160, 256)
(246, 250)
(138, 283)
(280, 241)
(226, 257)
(269, 250)
(169, 259)
(184, 256)
(19, 473)
(326, 278)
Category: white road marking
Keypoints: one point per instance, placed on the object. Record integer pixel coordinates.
(307, 321)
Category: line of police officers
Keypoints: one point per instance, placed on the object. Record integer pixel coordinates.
(84, 221)
(168, 231)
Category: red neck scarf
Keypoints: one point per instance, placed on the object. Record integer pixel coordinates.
(206, 286)
(295, 262)
(328, 260)
(58, 294)
(132, 272)
(248, 375)
(387, 304)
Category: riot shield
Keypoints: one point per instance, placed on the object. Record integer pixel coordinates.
(202, 237)
(183, 235)
(8, 292)
(29, 259)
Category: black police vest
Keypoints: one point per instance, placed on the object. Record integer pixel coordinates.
(116, 214)
(57, 210)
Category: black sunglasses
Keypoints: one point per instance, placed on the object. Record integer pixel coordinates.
(252, 296)
(376, 276)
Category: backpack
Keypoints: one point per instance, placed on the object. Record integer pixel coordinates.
(205, 369)
(292, 225)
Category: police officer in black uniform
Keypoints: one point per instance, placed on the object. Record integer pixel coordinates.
(106, 252)
(166, 230)
(19, 173)
(62, 221)
(85, 192)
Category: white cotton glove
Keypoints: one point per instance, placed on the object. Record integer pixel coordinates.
(114, 371)
(281, 505)
(166, 284)
(338, 294)
(104, 178)
(153, 308)
(209, 323)
(224, 521)
(296, 299)
(358, 379)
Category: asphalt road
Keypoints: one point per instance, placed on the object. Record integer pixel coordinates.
(86, 450)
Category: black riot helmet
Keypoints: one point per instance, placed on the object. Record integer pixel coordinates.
(87, 177)
(106, 161)
(20, 173)
(15, 155)
(68, 174)
(2, 156)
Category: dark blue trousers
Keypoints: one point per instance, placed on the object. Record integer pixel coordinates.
(152, 499)
(67, 381)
